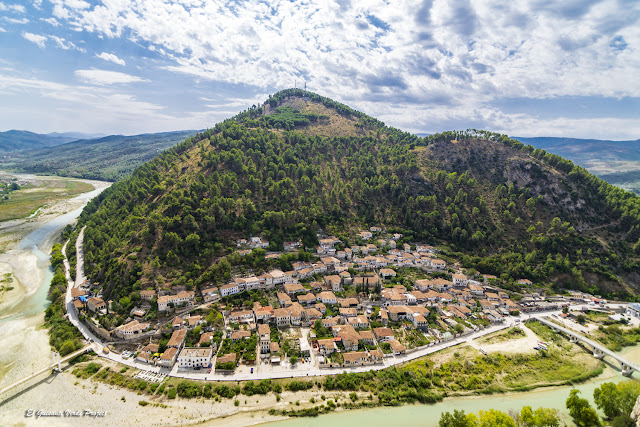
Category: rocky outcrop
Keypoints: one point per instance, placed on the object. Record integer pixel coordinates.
(635, 414)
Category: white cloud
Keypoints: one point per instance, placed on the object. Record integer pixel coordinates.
(35, 38)
(104, 77)
(37, 3)
(111, 57)
(12, 8)
(2, 30)
(53, 21)
(16, 21)
(66, 45)
(410, 62)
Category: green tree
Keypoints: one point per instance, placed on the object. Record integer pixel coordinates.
(495, 418)
(457, 419)
(616, 399)
(541, 417)
(581, 411)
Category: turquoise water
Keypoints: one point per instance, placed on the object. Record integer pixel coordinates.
(429, 415)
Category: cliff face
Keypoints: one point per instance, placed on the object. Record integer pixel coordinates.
(635, 414)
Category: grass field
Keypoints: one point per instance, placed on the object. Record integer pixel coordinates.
(509, 334)
(29, 198)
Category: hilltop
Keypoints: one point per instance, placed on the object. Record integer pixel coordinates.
(13, 141)
(301, 164)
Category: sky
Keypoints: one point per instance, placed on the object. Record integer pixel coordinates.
(567, 68)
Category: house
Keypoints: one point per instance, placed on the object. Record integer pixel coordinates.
(365, 235)
(257, 242)
(330, 322)
(326, 346)
(177, 322)
(305, 273)
(633, 309)
(240, 335)
(397, 347)
(96, 304)
(226, 358)
(76, 293)
(263, 314)
(205, 339)
(210, 294)
(387, 273)
(460, 280)
(359, 322)
(376, 356)
(367, 337)
(241, 316)
(327, 297)
(278, 276)
(334, 282)
(274, 348)
(441, 285)
(146, 354)
(525, 282)
(438, 264)
(313, 314)
(354, 357)
(266, 281)
(283, 317)
(348, 335)
(476, 290)
(131, 330)
(168, 358)
(375, 229)
(230, 289)
(383, 334)
(292, 246)
(195, 357)
(295, 313)
(177, 338)
(147, 295)
(346, 277)
(399, 312)
(307, 299)
(419, 321)
(284, 299)
(182, 298)
(330, 262)
(321, 307)
(370, 281)
(264, 335)
(348, 312)
(194, 321)
(294, 288)
(316, 286)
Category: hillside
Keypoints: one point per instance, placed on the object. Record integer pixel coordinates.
(109, 158)
(301, 164)
(20, 140)
(617, 162)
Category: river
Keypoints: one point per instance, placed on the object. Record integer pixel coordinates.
(429, 415)
(24, 343)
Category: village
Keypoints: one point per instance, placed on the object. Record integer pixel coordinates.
(357, 306)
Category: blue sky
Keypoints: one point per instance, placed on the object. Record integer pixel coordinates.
(521, 67)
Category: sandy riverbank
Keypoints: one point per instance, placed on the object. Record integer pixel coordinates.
(24, 247)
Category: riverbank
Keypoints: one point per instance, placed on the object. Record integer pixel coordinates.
(24, 267)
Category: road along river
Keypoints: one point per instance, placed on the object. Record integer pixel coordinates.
(24, 343)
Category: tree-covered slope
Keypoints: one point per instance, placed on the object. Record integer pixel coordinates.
(109, 158)
(281, 170)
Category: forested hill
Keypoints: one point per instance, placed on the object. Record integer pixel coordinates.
(301, 163)
(13, 141)
(109, 158)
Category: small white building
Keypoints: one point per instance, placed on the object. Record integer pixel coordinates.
(633, 309)
(195, 357)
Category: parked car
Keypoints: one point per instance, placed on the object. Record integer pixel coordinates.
(252, 370)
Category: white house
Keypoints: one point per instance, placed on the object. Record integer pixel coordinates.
(195, 357)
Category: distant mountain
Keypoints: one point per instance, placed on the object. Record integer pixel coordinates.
(77, 135)
(21, 140)
(617, 162)
(109, 158)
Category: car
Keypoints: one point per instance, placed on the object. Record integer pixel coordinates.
(209, 371)
(252, 370)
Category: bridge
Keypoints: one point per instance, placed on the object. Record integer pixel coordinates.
(48, 368)
(599, 351)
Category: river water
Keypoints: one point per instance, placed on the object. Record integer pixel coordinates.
(24, 344)
(429, 415)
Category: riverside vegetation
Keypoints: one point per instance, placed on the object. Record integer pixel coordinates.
(616, 401)
(459, 371)
(301, 163)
